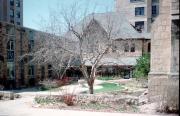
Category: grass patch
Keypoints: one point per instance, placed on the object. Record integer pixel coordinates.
(106, 78)
(107, 87)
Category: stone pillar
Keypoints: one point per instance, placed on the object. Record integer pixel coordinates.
(164, 73)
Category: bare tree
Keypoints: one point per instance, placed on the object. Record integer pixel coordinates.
(85, 43)
(94, 34)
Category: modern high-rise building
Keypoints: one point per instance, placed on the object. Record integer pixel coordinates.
(11, 11)
(140, 13)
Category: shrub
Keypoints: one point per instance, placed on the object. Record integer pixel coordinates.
(64, 81)
(47, 85)
(68, 99)
(142, 67)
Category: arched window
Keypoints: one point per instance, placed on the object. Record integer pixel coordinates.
(126, 47)
(133, 47)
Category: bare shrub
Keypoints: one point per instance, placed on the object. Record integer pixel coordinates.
(68, 99)
(68, 95)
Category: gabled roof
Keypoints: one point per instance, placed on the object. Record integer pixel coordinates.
(115, 22)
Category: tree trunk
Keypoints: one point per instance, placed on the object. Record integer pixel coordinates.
(91, 89)
(91, 86)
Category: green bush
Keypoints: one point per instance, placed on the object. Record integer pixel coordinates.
(142, 67)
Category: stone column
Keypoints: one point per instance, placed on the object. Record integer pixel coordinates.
(163, 72)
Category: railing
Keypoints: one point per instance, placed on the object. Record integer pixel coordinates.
(134, 1)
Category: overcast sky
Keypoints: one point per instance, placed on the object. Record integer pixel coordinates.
(35, 9)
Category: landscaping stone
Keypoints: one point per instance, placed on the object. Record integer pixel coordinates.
(88, 98)
(143, 98)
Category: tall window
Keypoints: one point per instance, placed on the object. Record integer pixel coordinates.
(31, 40)
(139, 26)
(11, 13)
(126, 47)
(149, 47)
(31, 45)
(133, 47)
(50, 73)
(155, 9)
(42, 72)
(10, 50)
(10, 70)
(31, 71)
(139, 11)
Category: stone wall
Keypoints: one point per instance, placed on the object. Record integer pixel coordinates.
(164, 73)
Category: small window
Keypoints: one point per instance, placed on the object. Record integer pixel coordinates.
(10, 30)
(139, 11)
(12, 21)
(18, 15)
(12, 2)
(10, 55)
(139, 26)
(126, 47)
(18, 23)
(133, 47)
(17, 3)
(49, 66)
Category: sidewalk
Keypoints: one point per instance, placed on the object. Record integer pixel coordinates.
(22, 107)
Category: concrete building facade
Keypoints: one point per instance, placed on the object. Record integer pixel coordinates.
(11, 11)
(140, 13)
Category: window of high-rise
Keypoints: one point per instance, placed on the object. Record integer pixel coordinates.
(139, 11)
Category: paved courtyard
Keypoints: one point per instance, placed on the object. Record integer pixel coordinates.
(25, 106)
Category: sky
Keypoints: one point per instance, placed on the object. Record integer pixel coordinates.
(35, 10)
